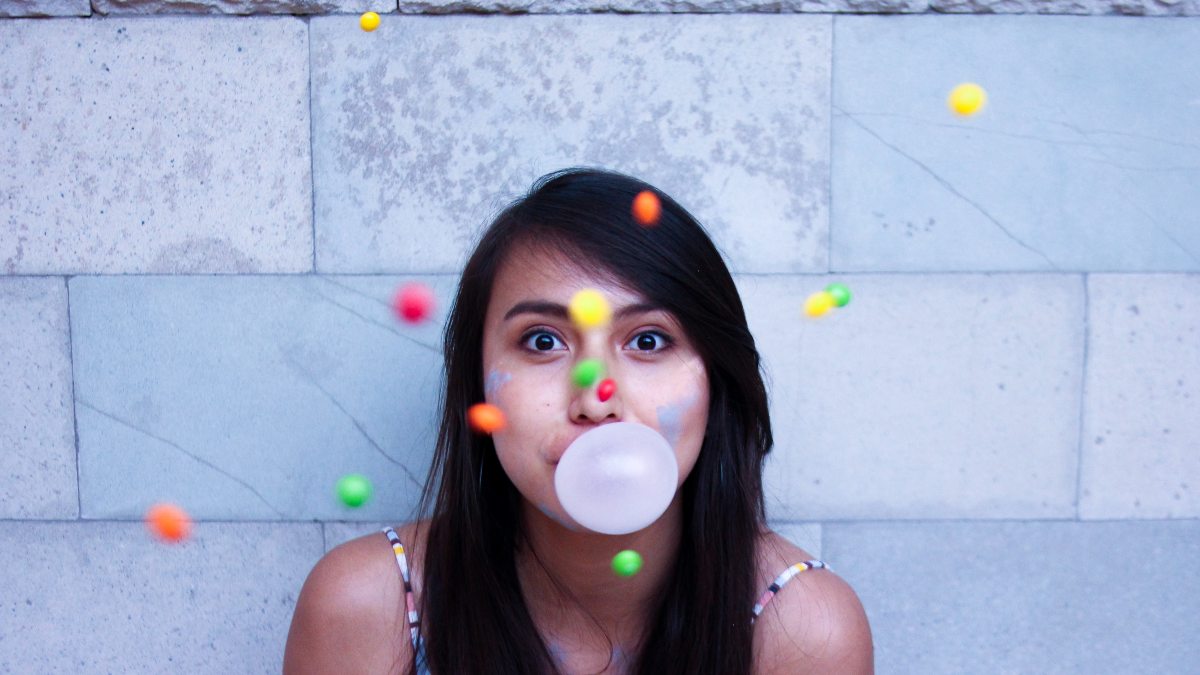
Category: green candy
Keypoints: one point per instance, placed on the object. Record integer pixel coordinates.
(354, 490)
(586, 373)
(627, 563)
(840, 293)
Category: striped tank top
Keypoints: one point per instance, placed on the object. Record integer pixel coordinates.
(414, 624)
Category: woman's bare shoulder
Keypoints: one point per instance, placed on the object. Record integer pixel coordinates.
(350, 616)
(814, 624)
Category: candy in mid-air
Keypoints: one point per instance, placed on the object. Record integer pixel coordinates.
(606, 389)
(819, 303)
(647, 208)
(485, 418)
(369, 21)
(169, 522)
(413, 302)
(627, 563)
(589, 309)
(616, 478)
(840, 293)
(586, 372)
(354, 490)
(967, 99)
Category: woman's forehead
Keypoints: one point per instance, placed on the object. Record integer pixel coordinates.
(555, 275)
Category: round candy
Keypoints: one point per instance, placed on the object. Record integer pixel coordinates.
(819, 303)
(589, 309)
(413, 302)
(354, 490)
(369, 21)
(586, 372)
(606, 389)
(617, 478)
(627, 563)
(967, 99)
(647, 208)
(485, 418)
(169, 522)
(840, 293)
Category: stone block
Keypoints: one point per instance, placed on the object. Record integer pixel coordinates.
(928, 396)
(242, 6)
(105, 597)
(1085, 157)
(166, 146)
(1141, 431)
(37, 431)
(424, 129)
(1058, 598)
(250, 397)
(41, 8)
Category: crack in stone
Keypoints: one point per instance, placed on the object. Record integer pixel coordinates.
(373, 322)
(199, 459)
(313, 381)
(1135, 204)
(950, 188)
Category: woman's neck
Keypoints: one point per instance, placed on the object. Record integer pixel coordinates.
(590, 605)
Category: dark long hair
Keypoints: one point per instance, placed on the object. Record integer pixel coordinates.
(473, 616)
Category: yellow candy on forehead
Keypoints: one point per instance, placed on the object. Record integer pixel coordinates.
(589, 309)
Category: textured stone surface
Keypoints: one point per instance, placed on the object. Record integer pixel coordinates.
(1038, 597)
(1141, 428)
(13, 8)
(1085, 157)
(172, 145)
(927, 396)
(1131, 7)
(659, 6)
(103, 597)
(425, 128)
(249, 397)
(242, 6)
(37, 437)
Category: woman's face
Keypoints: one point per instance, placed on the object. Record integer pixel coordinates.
(530, 346)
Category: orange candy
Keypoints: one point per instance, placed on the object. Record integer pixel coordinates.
(485, 418)
(169, 522)
(647, 208)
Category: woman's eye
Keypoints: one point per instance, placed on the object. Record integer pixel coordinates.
(650, 341)
(541, 341)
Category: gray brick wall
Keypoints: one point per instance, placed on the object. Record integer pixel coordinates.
(202, 220)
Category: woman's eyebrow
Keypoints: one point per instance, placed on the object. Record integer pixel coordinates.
(545, 307)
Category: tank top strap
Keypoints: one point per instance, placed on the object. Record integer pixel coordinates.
(409, 599)
(781, 580)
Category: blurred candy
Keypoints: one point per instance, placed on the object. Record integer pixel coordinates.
(586, 372)
(485, 418)
(627, 563)
(840, 293)
(967, 99)
(413, 302)
(589, 309)
(169, 522)
(617, 478)
(606, 389)
(354, 490)
(369, 21)
(819, 303)
(647, 208)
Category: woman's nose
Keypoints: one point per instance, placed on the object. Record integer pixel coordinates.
(587, 405)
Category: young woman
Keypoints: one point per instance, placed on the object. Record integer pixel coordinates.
(499, 578)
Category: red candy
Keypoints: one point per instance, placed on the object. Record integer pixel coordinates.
(413, 302)
(606, 389)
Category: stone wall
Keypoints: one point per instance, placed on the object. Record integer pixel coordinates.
(203, 218)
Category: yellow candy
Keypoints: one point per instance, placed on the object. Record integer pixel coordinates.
(589, 309)
(819, 303)
(967, 99)
(369, 21)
